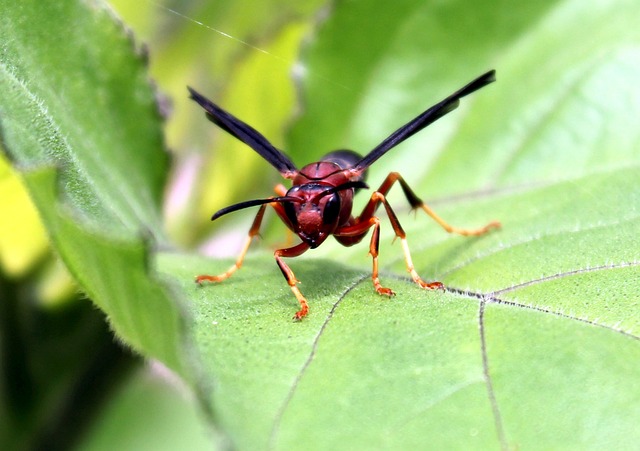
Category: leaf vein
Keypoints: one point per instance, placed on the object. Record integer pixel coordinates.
(314, 347)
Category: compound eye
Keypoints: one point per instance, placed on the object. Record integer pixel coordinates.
(331, 210)
(290, 211)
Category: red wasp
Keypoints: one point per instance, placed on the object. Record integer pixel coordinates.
(320, 201)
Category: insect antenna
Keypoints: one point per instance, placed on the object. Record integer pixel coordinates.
(252, 203)
(357, 184)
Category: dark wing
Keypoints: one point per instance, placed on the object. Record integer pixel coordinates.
(246, 134)
(429, 116)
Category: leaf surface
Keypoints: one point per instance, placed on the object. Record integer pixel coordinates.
(81, 123)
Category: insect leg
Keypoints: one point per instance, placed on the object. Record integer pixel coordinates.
(365, 221)
(352, 234)
(374, 247)
(290, 276)
(379, 198)
(253, 231)
(416, 202)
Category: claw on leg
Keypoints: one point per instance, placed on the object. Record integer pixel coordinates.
(414, 275)
(291, 278)
(255, 229)
(219, 278)
(304, 307)
(373, 251)
(430, 285)
(382, 290)
(225, 275)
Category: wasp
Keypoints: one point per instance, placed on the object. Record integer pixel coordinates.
(320, 201)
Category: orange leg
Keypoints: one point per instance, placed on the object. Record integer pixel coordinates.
(352, 234)
(291, 278)
(399, 231)
(416, 202)
(286, 271)
(280, 189)
(356, 232)
(253, 231)
(374, 246)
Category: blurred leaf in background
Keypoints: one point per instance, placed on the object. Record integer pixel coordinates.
(240, 52)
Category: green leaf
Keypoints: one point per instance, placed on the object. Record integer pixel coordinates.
(149, 412)
(532, 345)
(81, 122)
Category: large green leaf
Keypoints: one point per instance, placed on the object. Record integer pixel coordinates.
(532, 343)
(550, 150)
(79, 119)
